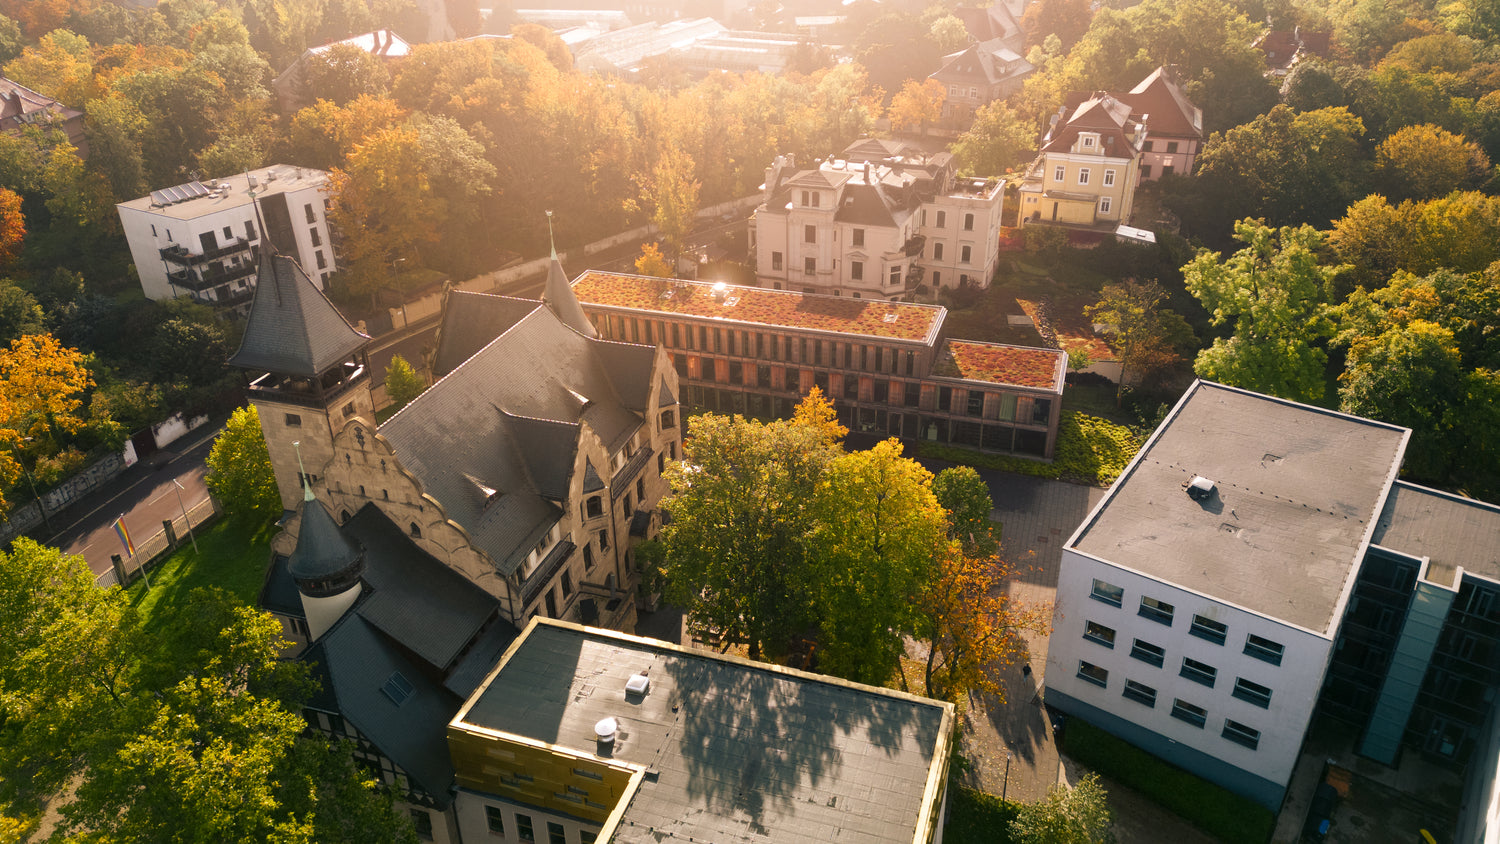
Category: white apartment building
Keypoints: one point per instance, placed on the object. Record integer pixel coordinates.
(875, 223)
(203, 239)
(1199, 603)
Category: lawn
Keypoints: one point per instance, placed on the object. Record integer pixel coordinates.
(232, 555)
(1226, 815)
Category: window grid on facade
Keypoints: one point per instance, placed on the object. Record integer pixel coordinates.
(809, 234)
(1140, 693)
(1199, 672)
(556, 834)
(1241, 734)
(1083, 175)
(1108, 593)
(1155, 610)
(1109, 178)
(1095, 632)
(1187, 712)
(1092, 673)
(495, 817)
(1252, 692)
(859, 237)
(523, 828)
(1263, 649)
(1208, 629)
(1105, 203)
(1148, 653)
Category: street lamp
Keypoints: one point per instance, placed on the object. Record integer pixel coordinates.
(185, 520)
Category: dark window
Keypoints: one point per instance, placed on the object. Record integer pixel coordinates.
(228, 234)
(588, 557)
(1146, 168)
(567, 584)
(556, 834)
(1252, 692)
(495, 818)
(604, 540)
(1184, 711)
(317, 239)
(851, 387)
(1199, 672)
(775, 265)
(322, 262)
(911, 362)
(809, 265)
(523, 828)
(976, 403)
(937, 251)
(1207, 628)
(709, 373)
(964, 253)
(551, 604)
(293, 420)
(422, 822)
(594, 506)
(1156, 611)
(1241, 734)
(1171, 147)
(942, 219)
(1146, 146)
(1093, 673)
(859, 237)
(763, 376)
(1108, 593)
(1040, 410)
(308, 211)
(857, 270)
(586, 837)
(640, 489)
(1140, 693)
(913, 393)
(415, 531)
(968, 222)
(945, 398)
(1148, 653)
(668, 419)
(882, 392)
(1263, 649)
(809, 234)
(1168, 170)
(1096, 632)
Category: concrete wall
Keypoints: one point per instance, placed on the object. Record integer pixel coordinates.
(1295, 683)
(94, 476)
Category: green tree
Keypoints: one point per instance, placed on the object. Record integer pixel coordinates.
(949, 33)
(343, 73)
(402, 383)
(1147, 336)
(20, 314)
(11, 43)
(880, 531)
(672, 195)
(1425, 161)
(239, 468)
(1066, 19)
(965, 496)
(1077, 815)
(736, 549)
(1271, 292)
(999, 140)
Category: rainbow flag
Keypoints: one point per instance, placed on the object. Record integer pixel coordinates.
(124, 535)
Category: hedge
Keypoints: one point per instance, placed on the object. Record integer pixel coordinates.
(1089, 450)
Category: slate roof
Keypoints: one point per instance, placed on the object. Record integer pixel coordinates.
(558, 295)
(279, 593)
(1100, 112)
(1298, 489)
(293, 329)
(19, 105)
(990, 23)
(810, 758)
(415, 616)
(987, 62)
(1167, 110)
(470, 322)
(322, 549)
(509, 417)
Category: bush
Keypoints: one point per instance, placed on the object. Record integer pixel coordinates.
(1217, 811)
(1090, 450)
(977, 818)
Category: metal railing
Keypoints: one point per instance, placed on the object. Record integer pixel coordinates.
(156, 547)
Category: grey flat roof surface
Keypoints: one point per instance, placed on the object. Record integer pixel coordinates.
(748, 754)
(1297, 489)
(1452, 531)
(288, 178)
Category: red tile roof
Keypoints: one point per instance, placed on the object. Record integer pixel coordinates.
(870, 317)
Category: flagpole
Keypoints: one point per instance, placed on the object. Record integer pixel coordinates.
(124, 534)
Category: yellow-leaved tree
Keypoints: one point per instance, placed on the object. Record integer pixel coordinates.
(41, 391)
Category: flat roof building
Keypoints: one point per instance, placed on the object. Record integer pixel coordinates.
(1259, 562)
(590, 735)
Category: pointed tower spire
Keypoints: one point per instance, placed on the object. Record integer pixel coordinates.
(559, 296)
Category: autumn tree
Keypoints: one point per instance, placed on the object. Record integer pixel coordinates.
(12, 226)
(736, 548)
(1425, 161)
(999, 139)
(1069, 815)
(402, 383)
(918, 104)
(239, 468)
(972, 627)
(1270, 291)
(1147, 336)
(652, 263)
(344, 73)
(880, 531)
(41, 393)
(671, 193)
(1460, 231)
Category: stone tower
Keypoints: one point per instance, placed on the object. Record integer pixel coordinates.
(309, 371)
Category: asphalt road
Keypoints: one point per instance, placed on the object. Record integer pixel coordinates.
(144, 494)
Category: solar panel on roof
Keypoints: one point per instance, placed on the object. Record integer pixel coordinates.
(179, 193)
(397, 688)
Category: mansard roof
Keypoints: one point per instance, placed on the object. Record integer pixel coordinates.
(1100, 112)
(511, 416)
(293, 329)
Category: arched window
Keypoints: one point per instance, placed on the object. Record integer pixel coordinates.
(344, 516)
(416, 532)
(362, 491)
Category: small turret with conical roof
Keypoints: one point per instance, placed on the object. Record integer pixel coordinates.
(326, 566)
(559, 295)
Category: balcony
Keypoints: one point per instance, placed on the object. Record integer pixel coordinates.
(914, 246)
(200, 280)
(179, 254)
